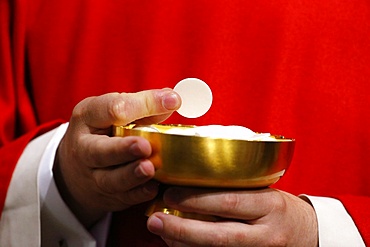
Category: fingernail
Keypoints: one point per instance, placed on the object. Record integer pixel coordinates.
(170, 100)
(155, 225)
(140, 172)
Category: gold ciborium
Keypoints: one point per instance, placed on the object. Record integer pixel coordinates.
(196, 161)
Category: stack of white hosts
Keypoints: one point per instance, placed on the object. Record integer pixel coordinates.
(215, 131)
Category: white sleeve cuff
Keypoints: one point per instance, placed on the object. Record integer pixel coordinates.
(335, 225)
(58, 224)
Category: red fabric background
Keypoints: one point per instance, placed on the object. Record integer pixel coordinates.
(297, 68)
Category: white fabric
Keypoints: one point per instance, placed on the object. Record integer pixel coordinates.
(336, 227)
(21, 221)
(58, 224)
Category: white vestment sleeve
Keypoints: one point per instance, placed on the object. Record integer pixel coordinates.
(34, 213)
(335, 225)
(58, 224)
(20, 219)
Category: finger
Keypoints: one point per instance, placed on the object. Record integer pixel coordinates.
(122, 108)
(104, 151)
(139, 194)
(179, 231)
(123, 178)
(241, 205)
(123, 200)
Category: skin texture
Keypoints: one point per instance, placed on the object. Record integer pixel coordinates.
(96, 173)
(265, 217)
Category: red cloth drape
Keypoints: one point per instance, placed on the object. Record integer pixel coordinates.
(297, 68)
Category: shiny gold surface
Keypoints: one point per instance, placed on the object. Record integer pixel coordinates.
(214, 162)
(159, 206)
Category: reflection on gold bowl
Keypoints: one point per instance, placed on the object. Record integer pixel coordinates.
(211, 162)
(214, 162)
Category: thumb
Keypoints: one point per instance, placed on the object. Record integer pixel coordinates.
(101, 112)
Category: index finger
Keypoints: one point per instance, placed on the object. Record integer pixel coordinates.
(103, 111)
(188, 232)
(233, 204)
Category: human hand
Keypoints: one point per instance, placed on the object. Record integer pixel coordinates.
(96, 173)
(265, 217)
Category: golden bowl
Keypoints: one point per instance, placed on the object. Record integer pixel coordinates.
(214, 162)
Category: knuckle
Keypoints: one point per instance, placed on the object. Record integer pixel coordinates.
(80, 110)
(94, 151)
(230, 201)
(180, 233)
(117, 109)
(148, 102)
(279, 203)
(103, 182)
